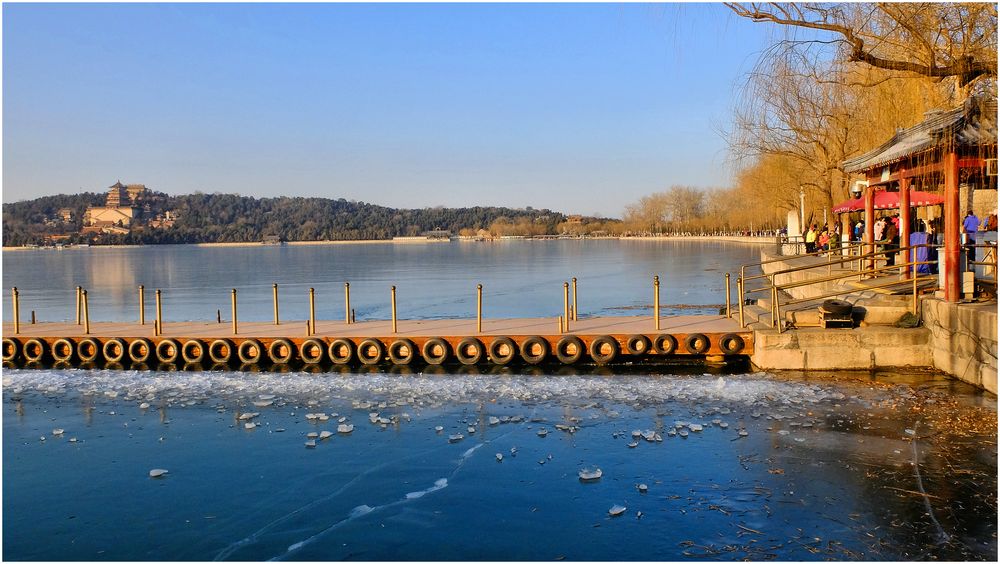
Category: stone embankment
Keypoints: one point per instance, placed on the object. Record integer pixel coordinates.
(959, 339)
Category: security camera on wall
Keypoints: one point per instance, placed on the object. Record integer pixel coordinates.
(858, 188)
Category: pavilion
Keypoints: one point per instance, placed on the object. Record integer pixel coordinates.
(946, 149)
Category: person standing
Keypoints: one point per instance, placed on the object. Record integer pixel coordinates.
(969, 226)
(891, 242)
(811, 239)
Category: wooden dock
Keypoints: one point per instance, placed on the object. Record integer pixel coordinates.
(601, 340)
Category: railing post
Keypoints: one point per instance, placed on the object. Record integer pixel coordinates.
(914, 284)
(79, 304)
(656, 302)
(774, 308)
(274, 291)
(142, 305)
(566, 304)
(312, 311)
(158, 330)
(347, 303)
(739, 294)
(729, 310)
(235, 322)
(393, 293)
(86, 314)
(575, 309)
(479, 308)
(16, 310)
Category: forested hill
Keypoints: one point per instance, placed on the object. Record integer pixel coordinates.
(210, 218)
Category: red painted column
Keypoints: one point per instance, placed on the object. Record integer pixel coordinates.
(870, 223)
(952, 238)
(904, 218)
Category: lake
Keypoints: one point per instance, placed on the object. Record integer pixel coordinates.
(696, 463)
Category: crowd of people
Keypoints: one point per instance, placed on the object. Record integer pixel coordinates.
(886, 230)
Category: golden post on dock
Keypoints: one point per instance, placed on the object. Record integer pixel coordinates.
(479, 308)
(312, 311)
(729, 313)
(142, 305)
(235, 326)
(79, 304)
(274, 289)
(575, 309)
(566, 304)
(158, 328)
(16, 307)
(656, 302)
(347, 303)
(86, 314)
(393, 292)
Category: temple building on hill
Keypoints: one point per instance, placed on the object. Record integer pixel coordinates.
(119, 210)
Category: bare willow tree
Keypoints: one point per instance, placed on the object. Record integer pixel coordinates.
(808, 109)
(927, 39)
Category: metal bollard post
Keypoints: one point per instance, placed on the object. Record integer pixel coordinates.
(574, 299)
(274, 288)
(479, 308)
(16, 307)
(158, 330)
(729, 310)
(393, 292)
(347, 303)
(235, 326)
(86, 314)
(561, 325)
(79, 304)
(142, 305)
(32, 317)
(312, 311)
(656, 301)
(566, 304)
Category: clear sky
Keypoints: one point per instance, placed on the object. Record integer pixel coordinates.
(581, 108)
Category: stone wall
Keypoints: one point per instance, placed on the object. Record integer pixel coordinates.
(963, 340)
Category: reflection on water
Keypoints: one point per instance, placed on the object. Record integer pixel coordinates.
(520, 278)
(788, 466)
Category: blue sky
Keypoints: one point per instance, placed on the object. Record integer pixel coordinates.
(581, 108)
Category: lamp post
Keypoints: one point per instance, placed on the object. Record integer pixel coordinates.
(802, 208)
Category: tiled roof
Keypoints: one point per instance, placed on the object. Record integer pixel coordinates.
(971, 125)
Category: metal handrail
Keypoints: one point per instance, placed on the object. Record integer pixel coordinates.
(794, 257)
(776, 288)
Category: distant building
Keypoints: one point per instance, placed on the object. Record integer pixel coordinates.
(118, 212)
(574, 219)
(66, 214)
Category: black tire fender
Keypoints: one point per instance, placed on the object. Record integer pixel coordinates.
(534, 349)
(371, 352)
(463, 354)
(665, 344)
(637, 345)
(115, 350)
(402, 352)
(731, 343)
(497, 348)
(697, 343)
(435, 351)
(341, 351)
(563, 346)
(604, 349)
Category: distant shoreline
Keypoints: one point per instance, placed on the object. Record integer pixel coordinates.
(714, 238)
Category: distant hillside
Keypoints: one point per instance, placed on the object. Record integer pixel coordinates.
(210, 218)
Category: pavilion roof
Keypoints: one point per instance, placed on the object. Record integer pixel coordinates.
(971, 125)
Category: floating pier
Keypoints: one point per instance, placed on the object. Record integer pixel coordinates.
(600, 340)
(565, 339)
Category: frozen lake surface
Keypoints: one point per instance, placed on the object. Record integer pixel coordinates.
(487, 466)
